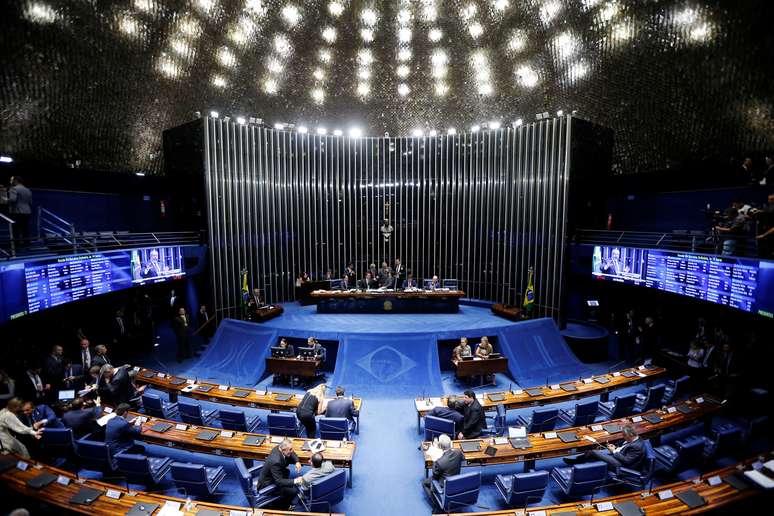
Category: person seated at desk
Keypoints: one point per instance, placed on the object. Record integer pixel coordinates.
(302, 279)
(275, 471)
(367, 282)
(473, 420)
(344, 285)
(318, 349)
(484, 348)
(37, 417)
(695, 355)
(447, 465)
(342, 407)
(390, 282)
(385, 274)
(409, 282)
(462, 350)
(80, 418)
(320, 469)
(120, 433)
(311, 405)
(350, 274)
(452, 411)
(630, 454)
(287, 349)
(255, 302)
(435, 283)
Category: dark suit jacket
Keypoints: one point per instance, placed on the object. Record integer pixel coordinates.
(39, 413)
(120, 389)
(632, 454)
(120, 434)
(341, 407)
(414, 283)
(53, 371)
(473, 420)
(290, 351)
(450, 414)
(25, 388)
(99, 360)
(81, 421)
(78, 358)
(275, 469)
(363, 283)
(447, 464)
(180, 329)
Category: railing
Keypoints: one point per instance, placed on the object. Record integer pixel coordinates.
(52, 226)
(708, 242)
(6, 235)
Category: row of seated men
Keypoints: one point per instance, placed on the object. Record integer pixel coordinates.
(22, 425)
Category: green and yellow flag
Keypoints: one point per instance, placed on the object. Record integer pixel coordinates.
(245, 291)
(529, 294)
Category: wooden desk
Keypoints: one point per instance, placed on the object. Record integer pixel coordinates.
(254, 399)
(59, 495)
(717, 496)
(265, 313)
(521, 398)
(544, 448)
(512, 313)
(388, 301)
(466, 368)
(292, 367)
(341, 455)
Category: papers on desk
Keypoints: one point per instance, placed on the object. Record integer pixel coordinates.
(334, 444)
(170, 509)
(434, 453)
(517, 431)
(276, 439)
(501, 440)
(477, 358)
(104, 419)
(760, 479)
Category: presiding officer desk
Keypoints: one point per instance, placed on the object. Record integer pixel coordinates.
(549, 444)
(67, 485)
(237, 396)
(651, 503)
(233, 443)
(598, 385)
(388, 301)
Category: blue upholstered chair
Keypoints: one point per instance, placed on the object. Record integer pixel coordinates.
(334, 428)
(676, 389)
(497, 423)
(197, 479)
(638, 478)
(154, 406)
(94, 455)
(192, 413)
(650, 399)
(325, 492)
(727, 438)
(541, 420)
(584, 413)
(681, 454)
(283, 424)
(521, 489)
(248, 478)
(140, 469)
(457, 491)
(57, 444)
(235, 419)
(622, 406)
(435, 426)
(581, 479)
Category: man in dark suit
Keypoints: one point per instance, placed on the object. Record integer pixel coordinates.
(350, 274)
(37, 417)
(275, 471)
(473, 417)
(409, 282)
(399, 271)
(180, 325)
(630, 454)
(119, 327)
(118, 386)
(80, 419)
(53, 368)
(100, 356)
(342, 407)
(367, 282)
(85, 354)
(447, 465)
(31, 386)
(120, 433)
(452, 411)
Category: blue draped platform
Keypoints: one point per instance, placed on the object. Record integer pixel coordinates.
(389, 355)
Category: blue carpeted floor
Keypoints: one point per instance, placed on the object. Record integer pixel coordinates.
(387, 360)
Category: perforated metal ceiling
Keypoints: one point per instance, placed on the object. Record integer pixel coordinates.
(99, 81)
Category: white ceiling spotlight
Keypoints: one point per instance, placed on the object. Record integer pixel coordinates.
(355, 132)
(322, 131)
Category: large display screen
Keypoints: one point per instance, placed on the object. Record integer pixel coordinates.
(29, 287)
(742, 283)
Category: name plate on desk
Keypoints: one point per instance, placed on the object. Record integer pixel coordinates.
(227, 434)
(223, 387)
(699, 400)
(181, 427)
(549, 435)
(276, 439)
(518, 392)
(636, 419)
(587, 380)
(604, 506)
(666, 494)
(189, 381)
(596, 428)
(671, 410)
(616, 374)
(161, 375)
(714, 480)
(112, 493)
(536, 513)
(22, 466)
(555, 387)
(63, 480)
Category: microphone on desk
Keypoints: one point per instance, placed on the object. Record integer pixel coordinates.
(510, 388)
(615, 366)
(423, 395)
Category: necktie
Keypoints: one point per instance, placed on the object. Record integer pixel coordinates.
(86, 360)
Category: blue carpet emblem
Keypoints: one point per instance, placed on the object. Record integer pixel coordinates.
(386, 363)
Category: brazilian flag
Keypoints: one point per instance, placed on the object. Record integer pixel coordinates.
(245, 292)
(529, 294)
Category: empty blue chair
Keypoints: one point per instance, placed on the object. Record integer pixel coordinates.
(248, 478)
(682, 454)
(581, 479)
(435, 426)
(676, 389)
(638, 478)
(140, 469)
(235, 419)
(283, 424)
(57, 443)
(650, 399)
(541, 420)
(197, 479)
(457, 491)
(192, 413)
(156, 407)
(622, 406)
(728, 437)
(583, 413)
(522, 489)
(498, 423)
(94, 455)
(325, 492)
(334, 428)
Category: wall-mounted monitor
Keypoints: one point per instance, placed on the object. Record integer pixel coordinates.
(742, 283)
(35, 285)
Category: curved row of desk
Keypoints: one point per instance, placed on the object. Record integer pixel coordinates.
(716, 489)
(107, 499)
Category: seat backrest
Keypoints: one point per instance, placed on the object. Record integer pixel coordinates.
(653, 399)
(94, 454)
(543, 419)
(245, 479)
(649, 466)
(57, 438)
(329, 488)
(233, 419)
(584, 478)
(282, 424)
(532, 482)
(190, 412)
(133, 463)
(586, 412)
(689, 453)
(152, 404)
(726, 439)
(671, 437)
(193, 477)
(681, 386)
(435, 426)
(336, 428)
(624, 405)
(462, 483)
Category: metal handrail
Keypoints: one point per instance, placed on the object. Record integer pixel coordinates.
(41, 209)
(11, 253)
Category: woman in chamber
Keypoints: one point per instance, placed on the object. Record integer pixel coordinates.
(312, 404)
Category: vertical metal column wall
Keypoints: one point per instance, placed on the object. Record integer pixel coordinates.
(478, 207)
